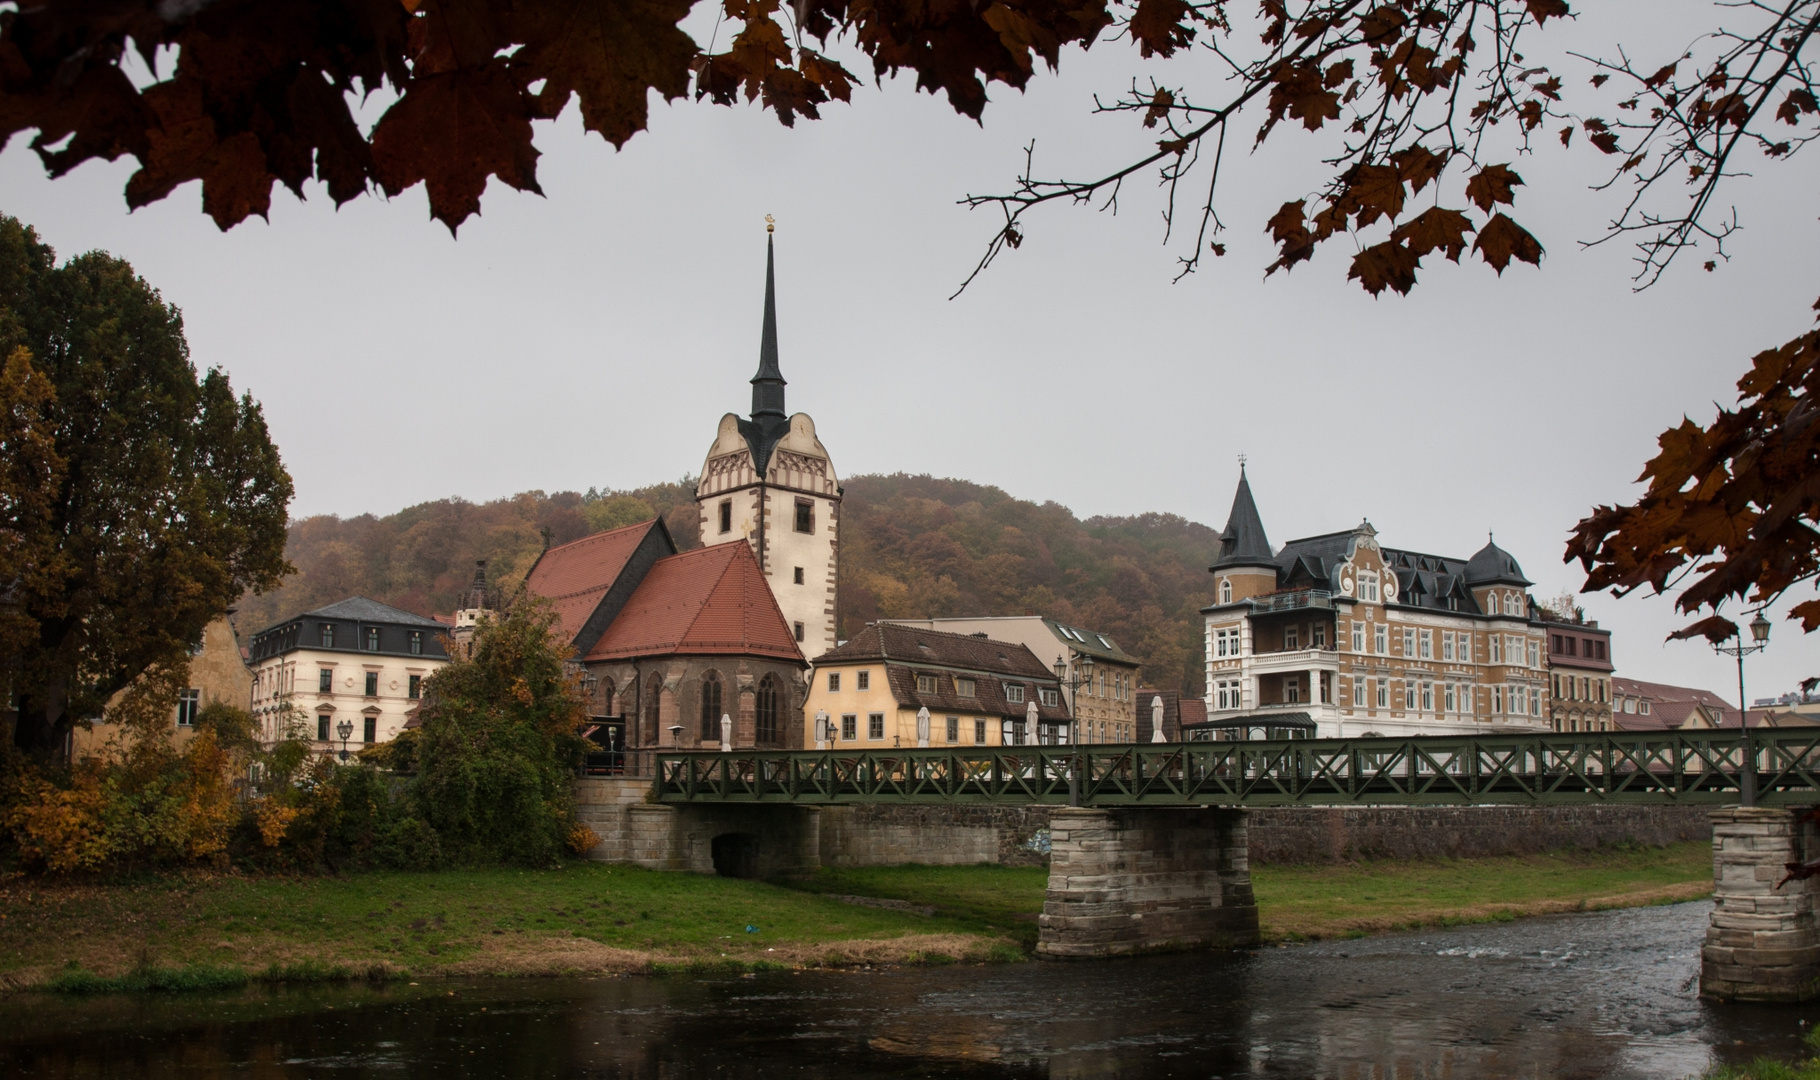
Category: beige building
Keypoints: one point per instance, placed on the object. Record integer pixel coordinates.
(358, 663)
(875, 691)
(1579, 673)
(1337, 636)
(218, 673)
(1105, 704)
(769, 481)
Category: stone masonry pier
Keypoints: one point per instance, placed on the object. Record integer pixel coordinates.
(1762, 944)
(1135, 881)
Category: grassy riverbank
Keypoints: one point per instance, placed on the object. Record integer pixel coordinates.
(1310, 902)
(202, 931)
(585, 918)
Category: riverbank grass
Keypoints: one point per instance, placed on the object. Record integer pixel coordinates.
(582, 919)
(1300, 903)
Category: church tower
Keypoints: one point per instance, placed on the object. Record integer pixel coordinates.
(769, 481)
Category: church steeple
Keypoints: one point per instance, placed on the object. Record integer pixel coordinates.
(768, 384)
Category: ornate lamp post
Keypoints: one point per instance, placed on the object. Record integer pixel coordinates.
(1747, 774)
(344, 729)
(1082, 673)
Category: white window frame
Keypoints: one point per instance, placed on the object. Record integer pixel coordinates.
(1358, 637)
(1380, 640)
(1426, 644)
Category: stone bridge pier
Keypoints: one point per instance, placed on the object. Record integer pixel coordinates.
(1763, 944)
(1124, 881)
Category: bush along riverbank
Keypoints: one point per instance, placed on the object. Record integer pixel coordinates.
(203, 931)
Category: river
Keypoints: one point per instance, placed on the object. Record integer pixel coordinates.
(1608, 995)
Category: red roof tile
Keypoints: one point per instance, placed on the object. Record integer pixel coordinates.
(709, 601)
(574, 576)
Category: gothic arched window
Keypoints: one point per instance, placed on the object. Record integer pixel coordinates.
(710, 707)
(606, 696)
(654, 689)
(767, 711)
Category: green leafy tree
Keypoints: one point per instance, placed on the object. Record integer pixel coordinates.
(497, 752)
(169, 500)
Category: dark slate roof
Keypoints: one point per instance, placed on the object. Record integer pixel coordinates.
(1093, 644)
(1494, 566)
(988, 694)
(365, 610)
(911, 645)
(1244, 543)
(769, 421)
(1430, 581)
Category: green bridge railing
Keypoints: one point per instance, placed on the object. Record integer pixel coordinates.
(1430, 770)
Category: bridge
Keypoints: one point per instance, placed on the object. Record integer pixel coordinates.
(1781, 768)
(1149, 846)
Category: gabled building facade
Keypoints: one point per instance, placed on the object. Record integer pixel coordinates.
(1351, 638)
(872, 692)
(218, 673)
(1104, 703)
(768, 480)
(358, 662)
(671, 644)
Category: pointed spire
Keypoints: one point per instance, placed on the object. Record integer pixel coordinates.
(1244, 543)
(768, 384)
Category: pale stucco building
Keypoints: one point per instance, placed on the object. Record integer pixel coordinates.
(357, 661)
(218, 673)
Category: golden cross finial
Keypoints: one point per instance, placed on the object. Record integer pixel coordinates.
(770, 224)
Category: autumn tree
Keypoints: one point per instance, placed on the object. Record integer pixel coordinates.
(157, 500)
(1423, 104)
(1732, 509)
(497, 751)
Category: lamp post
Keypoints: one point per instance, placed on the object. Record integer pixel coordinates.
(1747, 773)
(1073, 678)
(344, 729)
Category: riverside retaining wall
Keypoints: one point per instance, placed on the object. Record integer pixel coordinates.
(882, 834)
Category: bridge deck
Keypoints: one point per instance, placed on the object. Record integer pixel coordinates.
(1435, 770)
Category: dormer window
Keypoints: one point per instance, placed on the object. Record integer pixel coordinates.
(925, 684)
(964, 687)
(328, 635)
(1014, 693)
(372, 639)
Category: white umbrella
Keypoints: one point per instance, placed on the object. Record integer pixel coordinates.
(726, 733)
(1156, 719)
(821, 729)
(922, 726)
(1030, 719)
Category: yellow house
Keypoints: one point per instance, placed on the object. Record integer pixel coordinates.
(217, 673)
(874, 691)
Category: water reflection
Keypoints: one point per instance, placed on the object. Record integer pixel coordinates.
(1605, 995)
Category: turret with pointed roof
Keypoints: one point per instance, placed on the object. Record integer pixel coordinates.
(1244, 543)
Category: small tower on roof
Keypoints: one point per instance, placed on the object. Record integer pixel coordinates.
(1246, 567)
(768, 480)
(476, 605)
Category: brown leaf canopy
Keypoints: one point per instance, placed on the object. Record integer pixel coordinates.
(1734, 505)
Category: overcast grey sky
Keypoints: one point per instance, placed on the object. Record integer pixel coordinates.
(596, 335)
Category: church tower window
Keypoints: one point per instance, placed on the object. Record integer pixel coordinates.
(805, 516)
(726, 515)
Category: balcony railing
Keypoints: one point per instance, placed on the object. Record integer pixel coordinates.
(1290, 601)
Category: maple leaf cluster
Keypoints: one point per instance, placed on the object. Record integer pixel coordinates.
(1734, 505)
(262, 91)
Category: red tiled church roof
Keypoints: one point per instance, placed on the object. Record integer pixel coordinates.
(710, 601)
(574, 576)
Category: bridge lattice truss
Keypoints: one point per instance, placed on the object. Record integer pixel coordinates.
(1434, 770)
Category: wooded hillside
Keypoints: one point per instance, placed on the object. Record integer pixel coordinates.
(912, 546)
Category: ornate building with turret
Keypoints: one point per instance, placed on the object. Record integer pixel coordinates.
(769, 481)
(1338, 636)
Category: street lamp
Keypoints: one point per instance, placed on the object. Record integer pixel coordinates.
(344, 729)
(1082, 672)
(1747, 773)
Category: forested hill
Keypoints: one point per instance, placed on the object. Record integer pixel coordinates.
(912, 546)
